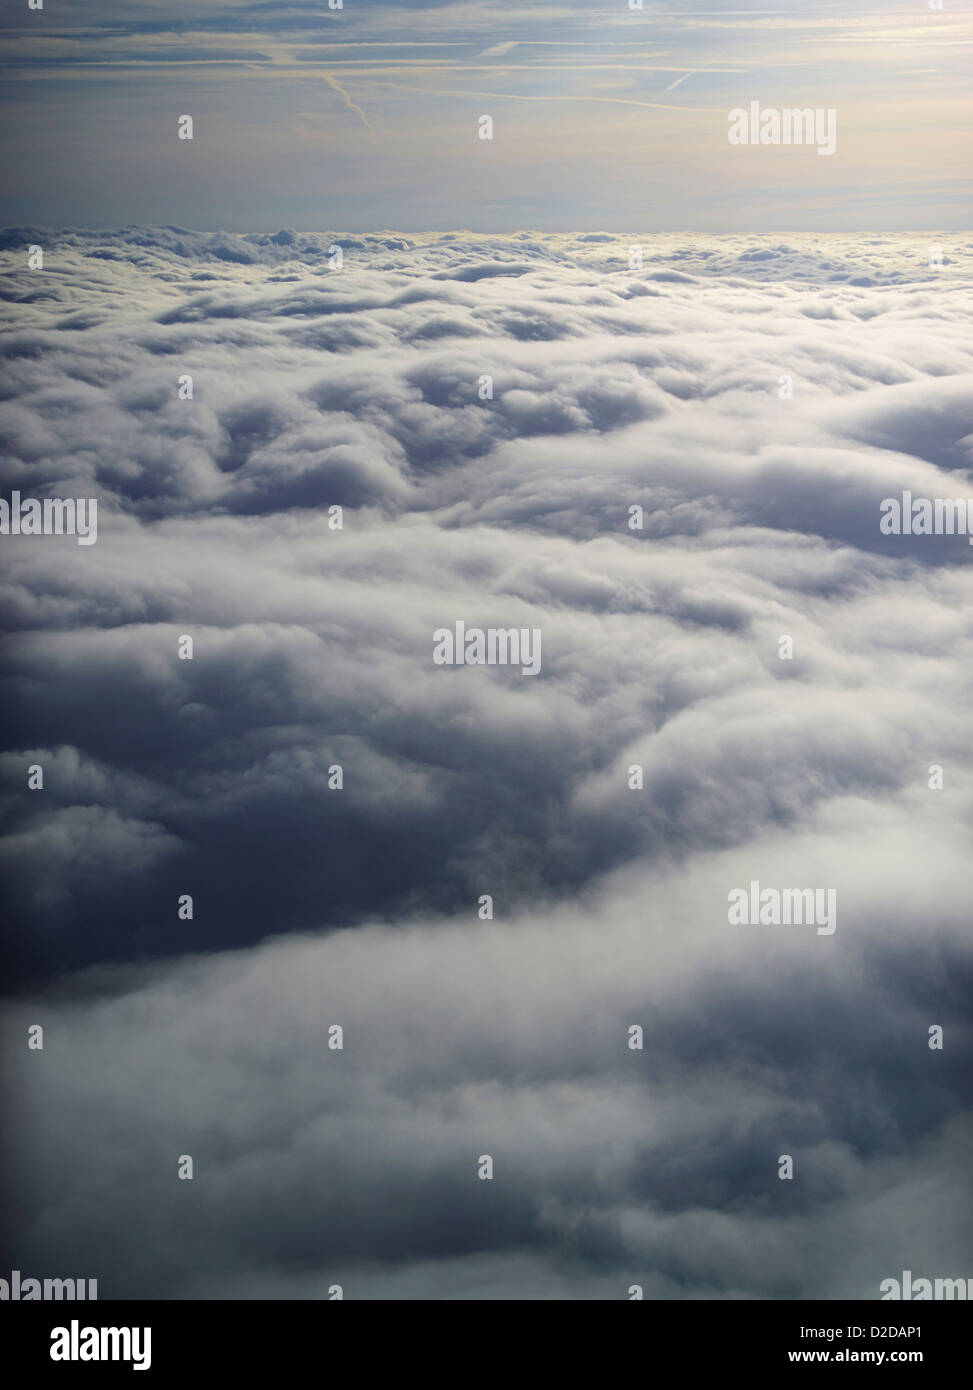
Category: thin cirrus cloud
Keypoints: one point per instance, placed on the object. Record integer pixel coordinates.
(605, 107)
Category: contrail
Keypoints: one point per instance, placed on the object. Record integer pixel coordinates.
(333, 82)
(707, 67)
(521, 96)
(679, 80)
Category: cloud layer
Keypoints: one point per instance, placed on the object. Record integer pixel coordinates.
(487, 412)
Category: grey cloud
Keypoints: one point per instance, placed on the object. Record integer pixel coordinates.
(518, 1051)
(612, 388)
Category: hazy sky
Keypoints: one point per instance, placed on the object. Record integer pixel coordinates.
(366, 117)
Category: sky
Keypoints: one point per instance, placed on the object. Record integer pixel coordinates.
(367, 117)
(339, 374)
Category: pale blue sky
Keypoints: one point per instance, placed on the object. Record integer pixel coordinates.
(366, 117)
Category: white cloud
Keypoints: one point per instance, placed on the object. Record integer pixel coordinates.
(612, 387)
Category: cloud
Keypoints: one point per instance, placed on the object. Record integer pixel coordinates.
(486, 411)
(359, 1167)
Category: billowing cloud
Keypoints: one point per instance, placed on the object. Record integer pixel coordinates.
(487, 412)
